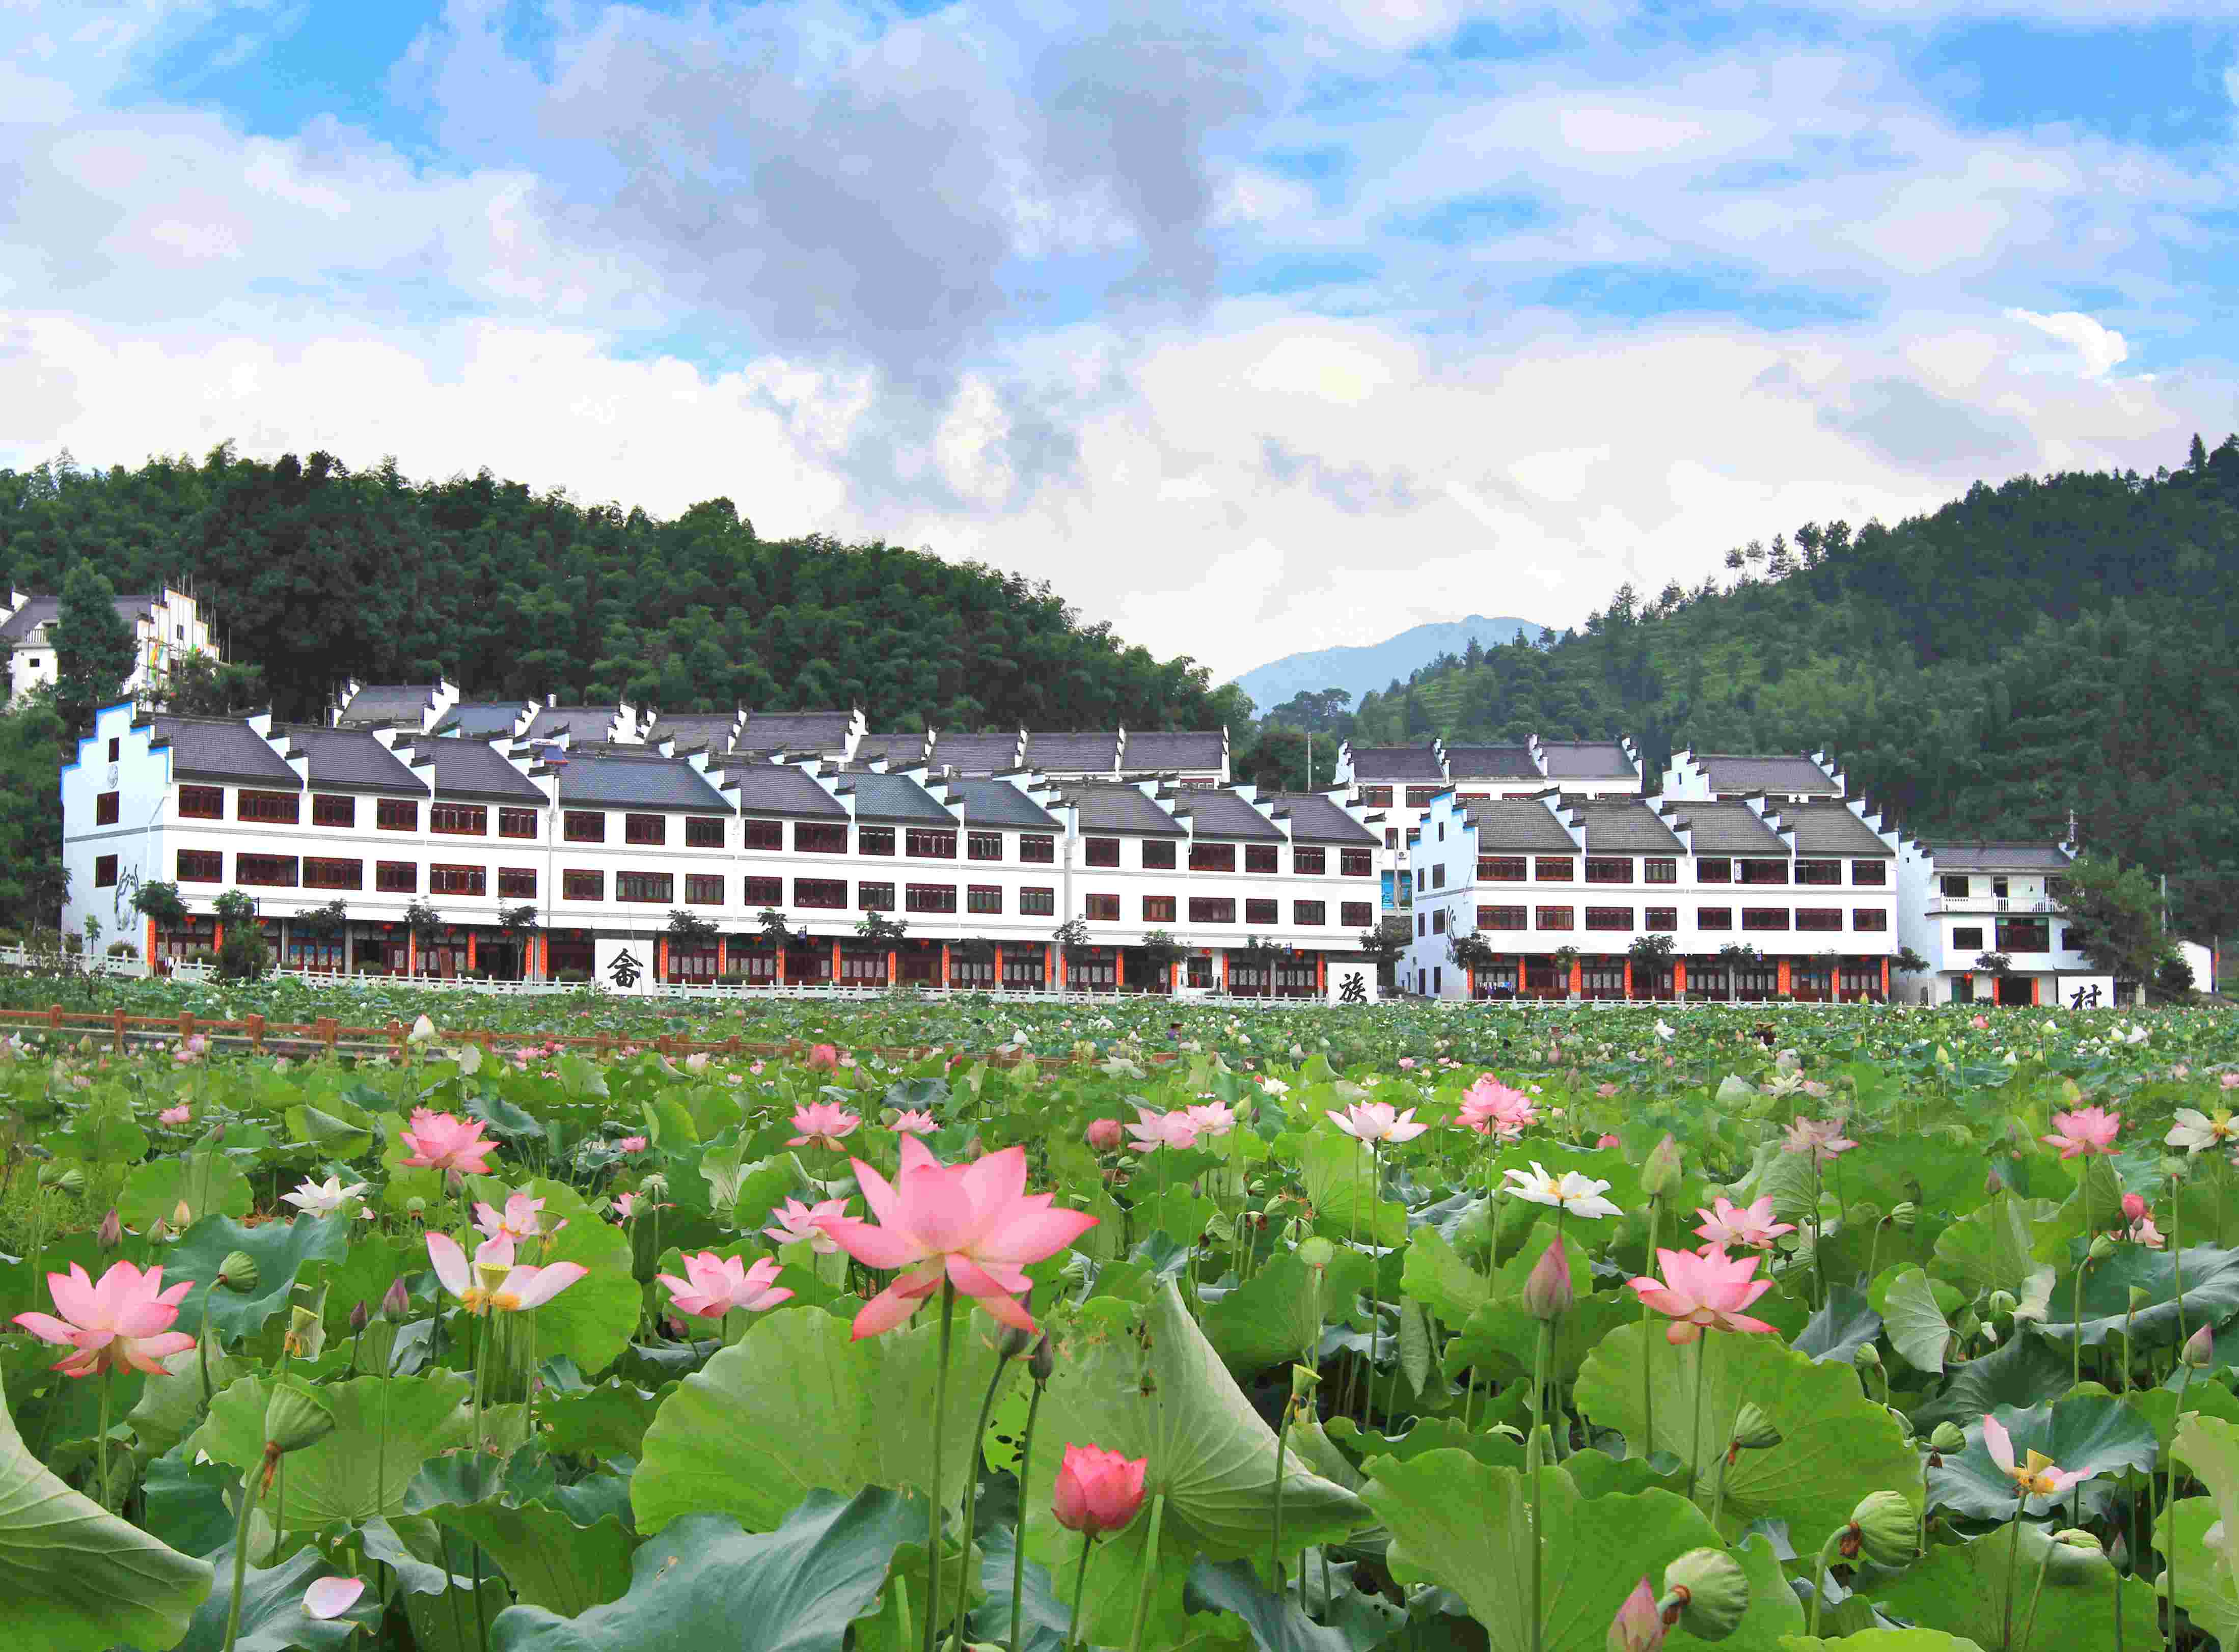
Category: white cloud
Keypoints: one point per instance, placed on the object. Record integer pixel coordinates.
(2099, 349)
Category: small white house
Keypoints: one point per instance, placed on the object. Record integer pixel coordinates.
(167, 625)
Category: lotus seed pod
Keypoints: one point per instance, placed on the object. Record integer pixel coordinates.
(1948, 1438)
(654, 1185)
(416, 1207)
(2076, 1538)
(1888, 1527)
(238, 1272)
(1869, 1357)
(296, 1417)
(2140, 1297)
(2002, 1304)
(1547, 1290)
(1661, 1171)
(1705, 1592)
(1316, 1252)
(1753, 1429)
(1904, 1215)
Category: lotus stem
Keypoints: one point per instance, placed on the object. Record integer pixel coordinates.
(1535, 1456)
(1819, 1582)
(2013, 1567)
(2075, 1291)
(1080, 1591)
(240, 1558)
(1282, 1445)
(933, 1509)
(1150, 1571)
(101, 1459)
(1695, 1440)
(1647, 1341)
(1018, 1550)
(2183, 1382)
(972, 1493)
(2029, 1622)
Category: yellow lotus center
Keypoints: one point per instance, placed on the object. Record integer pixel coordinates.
(505, 1301)
(2031, 1477)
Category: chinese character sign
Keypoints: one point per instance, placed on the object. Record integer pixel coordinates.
(622, 965)
(1351, 983)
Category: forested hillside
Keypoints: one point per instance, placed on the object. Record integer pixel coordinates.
(317, 572)
(2058, 643)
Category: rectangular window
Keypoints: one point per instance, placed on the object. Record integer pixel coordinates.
(396, 876)
(1099, 852)
(583, 825)
(1659, 869)
(104, 872)
(1870, 874)
(983, 846)
(1551, 869)
(1262, 911)
(1376, 797)
(649, 831)
(1819, 917)
(1355, 863)
(1419, 797)
(105, 809)
(930, 898)
(1038, 903)
(874, 898)
(646, 888)
(1261, 857)
(1869, 918)
(1500, 918)
(1356, 914)
(582, 885)
(703, 831)
(457, 880)
(1310, 914)
(1967, 941)
(115, 746)
(983, 898)
(283, 808)
(458, 819)
(1439, 921)
(1500, 869)
(1100, 909)
(202, 803)
(818, 838)
(1310, 863)
(396, 815)
(874, 841)
(517, 823)
(1158, 909)
(1212, 910)
(1037, 849)
(1764, 871)
(825, 894)
(765, 834)
(202, 866)
(1713, 869)
(1818, 872)
(517, 883)
(1958, 888)
(1609, 917)
(2024, 935)
(1609, 869)
(1158, 855)
(1438, 876)
(703, 889)
(328, 810)
(1765, 918)
(1715, 917)
(333, 874)
(1212, 857)
(1662, 921)
(266, 872)
(1555, 918)
(762, 891)
(930, 843)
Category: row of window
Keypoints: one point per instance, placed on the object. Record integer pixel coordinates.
(1159, 854)
(2013, 935)
(1665, 869)
(1665, 919)
(1159, 909)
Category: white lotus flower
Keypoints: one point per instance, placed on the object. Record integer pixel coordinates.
(1579, 1194)
(323, 1198)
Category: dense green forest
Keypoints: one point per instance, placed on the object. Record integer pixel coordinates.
(317, 574)
(2058, 643)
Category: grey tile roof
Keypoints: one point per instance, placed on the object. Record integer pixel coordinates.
(1508, 824)
(703, 731)
(484, 720)
(1725, 829)
(1120, 808)
(1188, 752)
(403, 703)
(997, 803)
(1592, 760)
(1626, 829)
(351, 759)
(223, 748)
(581, 722)
(1985, 856)
(1217, 813)
(1377, 765)
(899, 751)
(615, 781)
(895, 797)
(1786, 772)
(1831, 829)
(472, 768)
(1490, 763)
(42, 610)
(975, 754)
(781, 788)
(1313, 818)
(1073, 753)
(796, 731)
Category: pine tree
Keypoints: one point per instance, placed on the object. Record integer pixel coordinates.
(2199, 459)
(94, 648)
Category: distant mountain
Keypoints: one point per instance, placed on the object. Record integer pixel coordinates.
(1373, 666)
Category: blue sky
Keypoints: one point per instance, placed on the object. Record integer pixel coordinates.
(1254, 329)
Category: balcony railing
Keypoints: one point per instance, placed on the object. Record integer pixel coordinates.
(2022, 904)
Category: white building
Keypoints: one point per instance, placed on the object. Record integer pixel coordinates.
(1966, 901)
(166, 627)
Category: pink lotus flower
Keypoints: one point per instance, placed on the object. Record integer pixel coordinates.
(1407, 1061)
(443, 1142)
(1152, 1131)
(628, 1205)
(1105, 1135)
(2134, 1206)
(2228, 1080)
(633, 1145)
(1215, 1118)
(2142, 1231)
(914, 1124)
(194, 1049)
(823, 1057)
(1376, 1121)
(176, 1116)
(1981, 1023)
(122, 1324)
(1751, 1225)
(2087, 1130)
(1703, 1290)
(496, 1282)
(714, 1285)
(330, 1597)
(2036, 1476)
(821, 1123)
(1821, 1137)
(519, 1220)
(975, 1225)
(1608, 1141)
(1490, 1108)
(796, 1222)
(1097, 1491)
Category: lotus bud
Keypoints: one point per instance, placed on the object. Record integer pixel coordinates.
(396, 1301)
(1993, 1184)
(2140, 1297)
(111, 1233)
(1316, 1252)
(2076, 1538)
(1706, 1592)
(2102, 1248)
(1303, 1381)
(182, 1215)
(1041, 1365)
(1753, 1429)
(2199, 1349)
(1949, 1438)
(2118, 1552)
(2133, 1207)
(217, 1136)
(1637, 1627)
(1885, 1528)
(1661, 1171)
(1547, 1292)
(296, 1417)
(238, 1272)
(359, 1319)
(1868, 1358)
(1013, 1343)
(1904, 1215)
(423, 1032)
(2002, 1304)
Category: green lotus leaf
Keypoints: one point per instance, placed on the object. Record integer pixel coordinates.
(1335, 1171)
(1994, 1248)
(385, 1427)
(2211, 1291)
(1847, 1323)
(590, 1322)
(2026, 1372)
(550, 1561)
(1917, 1329)
(1882, 1639)
(1272, 1318)
(1438, 1277)
(272, 1615)
(2089, 1433)
(206, 1184)
(2199, 1573)
(1961, 1588)
(281, 1251)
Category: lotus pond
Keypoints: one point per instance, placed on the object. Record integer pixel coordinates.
(1316, 1330)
